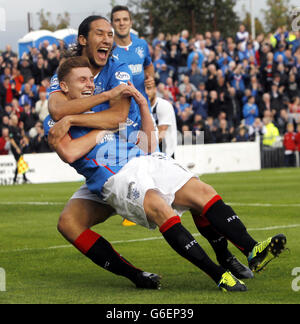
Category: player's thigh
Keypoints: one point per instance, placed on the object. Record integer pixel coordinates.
(156, 208)
(86, 213)
(195, 194)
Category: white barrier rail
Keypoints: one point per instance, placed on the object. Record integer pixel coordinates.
(43, 168)
(216, 158)
(200, 159)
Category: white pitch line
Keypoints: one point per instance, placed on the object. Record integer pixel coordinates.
(32, 203)
(49, 203)
(141, 240)
(263, 205)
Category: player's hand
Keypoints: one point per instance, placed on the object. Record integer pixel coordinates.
(150, 82)
(120, 91)
(58, 131)
(137, 96)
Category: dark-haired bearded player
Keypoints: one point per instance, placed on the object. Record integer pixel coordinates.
(84, 210)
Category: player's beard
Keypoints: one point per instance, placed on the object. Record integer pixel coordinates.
(90, 55)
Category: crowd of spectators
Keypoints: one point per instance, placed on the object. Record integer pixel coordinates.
(231, 88)
(24, 87)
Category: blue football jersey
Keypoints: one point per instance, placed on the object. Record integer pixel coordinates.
(113, 74)
(105, 160)
(138, 57)
(115, 150)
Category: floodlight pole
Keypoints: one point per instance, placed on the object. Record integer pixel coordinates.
(252, 20)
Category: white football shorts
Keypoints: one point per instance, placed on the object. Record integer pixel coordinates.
(84, 193)
(126, 190)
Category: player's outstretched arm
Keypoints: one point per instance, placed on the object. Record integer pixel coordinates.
(70, 150)
(109, 119)
(60, 106)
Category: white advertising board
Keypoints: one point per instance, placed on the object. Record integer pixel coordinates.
(217, 158)
(43, 168)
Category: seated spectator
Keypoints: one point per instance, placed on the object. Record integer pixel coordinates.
(8, 54)
(250, 111)
(4, 142)
(41, 107)
(289, 143)
(283, 120)
(199, 105)
(213, 104)
(195, 75)
(242, 135)
(27, 96)
(183, 85)
(201, 133)
(276, 97)
(39, 143)
(256, 129)
(164, 73)
(182, 105)
(8, 91)
(183, 111)
(29, 117)
(6, 74)
(25, 69)
(5, 121)
(242, 35)
(182, 59)
(293, 89)
(223, 133)
(17, 109)
(238, 79)
(195, 57)
(18, 78)
(211, 82)
(294, 106)
(232, 107)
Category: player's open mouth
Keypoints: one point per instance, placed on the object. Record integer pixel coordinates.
(86, 93)
(103, 53)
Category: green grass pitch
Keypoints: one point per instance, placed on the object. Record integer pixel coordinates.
(41, 267)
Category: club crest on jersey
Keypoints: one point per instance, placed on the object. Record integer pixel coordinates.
(54, 81)
(122, 76)
(140, 52)
(51, 123)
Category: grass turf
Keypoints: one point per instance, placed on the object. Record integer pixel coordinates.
(41, 267)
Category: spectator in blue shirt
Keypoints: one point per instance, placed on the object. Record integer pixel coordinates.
(250, 111)
(199, 105)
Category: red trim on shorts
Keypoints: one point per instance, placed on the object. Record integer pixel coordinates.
(170, 223)
(86, 240)
(210, 204)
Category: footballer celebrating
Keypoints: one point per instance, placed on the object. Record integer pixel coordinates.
(151, 189)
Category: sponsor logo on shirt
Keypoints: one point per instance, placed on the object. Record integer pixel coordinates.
(122, 76)
(136, 68)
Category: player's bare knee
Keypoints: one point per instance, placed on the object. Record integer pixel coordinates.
(63, 222)
(156, 209)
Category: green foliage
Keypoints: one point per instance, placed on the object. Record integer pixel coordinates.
(172, 16)
(276, 14)
(259, 27)
(45, 19)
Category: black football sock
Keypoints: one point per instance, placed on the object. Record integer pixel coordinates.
(185, 245)
(100, 251)
(218, 242)
(223, 218)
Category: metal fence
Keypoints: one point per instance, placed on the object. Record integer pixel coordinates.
(274, 157)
